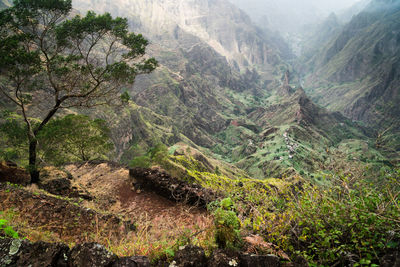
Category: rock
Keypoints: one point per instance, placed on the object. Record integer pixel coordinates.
(190, 256)
(58, 186)
(391, 259)
(136, 261)
(251, 260)
(14, 252)
(91, 255)
(172, 188)
(10, 172)
(220, 258)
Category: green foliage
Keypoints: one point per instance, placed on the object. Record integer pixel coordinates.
(7, 230)
(125, 97)
(156, 155)
(74, 138)
(141, 161)
(13, 139)
(227, 224)
(353, 218)
(51, 62)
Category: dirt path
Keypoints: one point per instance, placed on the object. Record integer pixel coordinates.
(113, 192)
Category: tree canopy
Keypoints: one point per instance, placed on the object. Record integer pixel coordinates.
(51, 61)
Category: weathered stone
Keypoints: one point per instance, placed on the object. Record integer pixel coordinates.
(14, 252)
(91, 255)
(135, 261)
(251, 260)
(58, 186)
(190, 256)
(220, 258)
(10, 172)
(169, 187)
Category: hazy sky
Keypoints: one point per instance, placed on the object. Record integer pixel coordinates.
(328, 5)
(291, 15)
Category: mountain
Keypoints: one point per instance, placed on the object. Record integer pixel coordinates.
(224, 88)
(199, 64)
(219, 24)
(357, 71)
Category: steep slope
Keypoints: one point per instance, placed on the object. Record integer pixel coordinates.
(219, 24)
(205, 49)
(358, 71)
(290, 134)
(198, 95)
(236, 104)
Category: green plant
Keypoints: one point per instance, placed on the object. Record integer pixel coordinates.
(74, 138)
(347, 223)
(7, 230)
(157, 155)
(227, 224)
(78, 72)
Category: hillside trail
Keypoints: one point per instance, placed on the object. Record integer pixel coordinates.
(111, 187)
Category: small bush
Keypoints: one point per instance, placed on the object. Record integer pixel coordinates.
(350, 223)
(142, 161)
(227, 224)
(7, 230)
(155, 155)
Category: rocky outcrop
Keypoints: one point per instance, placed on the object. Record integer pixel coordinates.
(14, 252)
(10, 172)
(218, 23)
(357, 71)
(171, 188)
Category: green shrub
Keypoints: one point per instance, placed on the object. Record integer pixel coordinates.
(7, 230)
(142, 161)
(353, 222)
(155, 155)
(227, 224)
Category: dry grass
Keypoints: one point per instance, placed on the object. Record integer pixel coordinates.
(162, 226)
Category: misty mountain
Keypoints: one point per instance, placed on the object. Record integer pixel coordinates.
(289, 16)
(220, 86)
(219, 24)
(357, 71)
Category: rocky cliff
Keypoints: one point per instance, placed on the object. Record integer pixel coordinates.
(357, 71)
(219, 24)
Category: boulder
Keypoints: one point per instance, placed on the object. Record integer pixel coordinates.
(221, 258)
(15, 252)
(190, 256)
(58, 186)
(91, 255)
(136, 261)
(172, 188)
(251, 260)
(10, 172)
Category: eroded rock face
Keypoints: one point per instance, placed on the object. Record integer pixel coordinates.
(135, 261)
(171, 188)
(91, 255)
(190, 256)
(249, 260)
(16, 253)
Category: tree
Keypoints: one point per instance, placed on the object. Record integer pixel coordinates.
(49, 62)
(74, 138)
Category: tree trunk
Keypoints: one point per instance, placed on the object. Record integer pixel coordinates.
(33, 171)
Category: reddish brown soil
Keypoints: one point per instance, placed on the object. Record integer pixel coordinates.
(112, 190)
